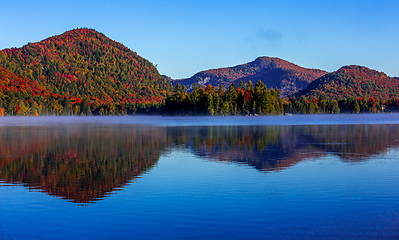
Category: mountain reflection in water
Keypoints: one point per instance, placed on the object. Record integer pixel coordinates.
(84, 163)
(270, 148)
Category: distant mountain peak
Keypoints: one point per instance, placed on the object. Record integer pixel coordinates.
(272, 71)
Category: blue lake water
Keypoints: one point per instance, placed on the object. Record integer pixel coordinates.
(282, 177)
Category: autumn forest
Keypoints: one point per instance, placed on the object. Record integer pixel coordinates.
(82, 72)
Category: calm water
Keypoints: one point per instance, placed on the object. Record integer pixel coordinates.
(287, 177)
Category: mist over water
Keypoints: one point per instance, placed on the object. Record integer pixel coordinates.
(324, 119)
(203, 177)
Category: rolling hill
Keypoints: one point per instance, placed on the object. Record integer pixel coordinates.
(353, 82)
(86, 65)
(274, 72)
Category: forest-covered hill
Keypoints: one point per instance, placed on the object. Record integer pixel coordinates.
(274, 72)
(85, 65)
(82, 72)
(353, 82)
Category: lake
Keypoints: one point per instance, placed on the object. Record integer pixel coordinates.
(277, 177)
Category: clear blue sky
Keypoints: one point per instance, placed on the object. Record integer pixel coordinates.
(185, 37)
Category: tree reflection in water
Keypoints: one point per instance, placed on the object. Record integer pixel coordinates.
(85, 163)
(270, 148)
(82, 164)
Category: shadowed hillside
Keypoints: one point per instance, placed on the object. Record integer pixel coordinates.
(274, 72)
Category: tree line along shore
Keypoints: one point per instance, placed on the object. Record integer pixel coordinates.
(244, 99)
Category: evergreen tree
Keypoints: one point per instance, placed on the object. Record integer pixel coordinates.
(86, 110)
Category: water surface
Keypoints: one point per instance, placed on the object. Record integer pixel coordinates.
(212, 178)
